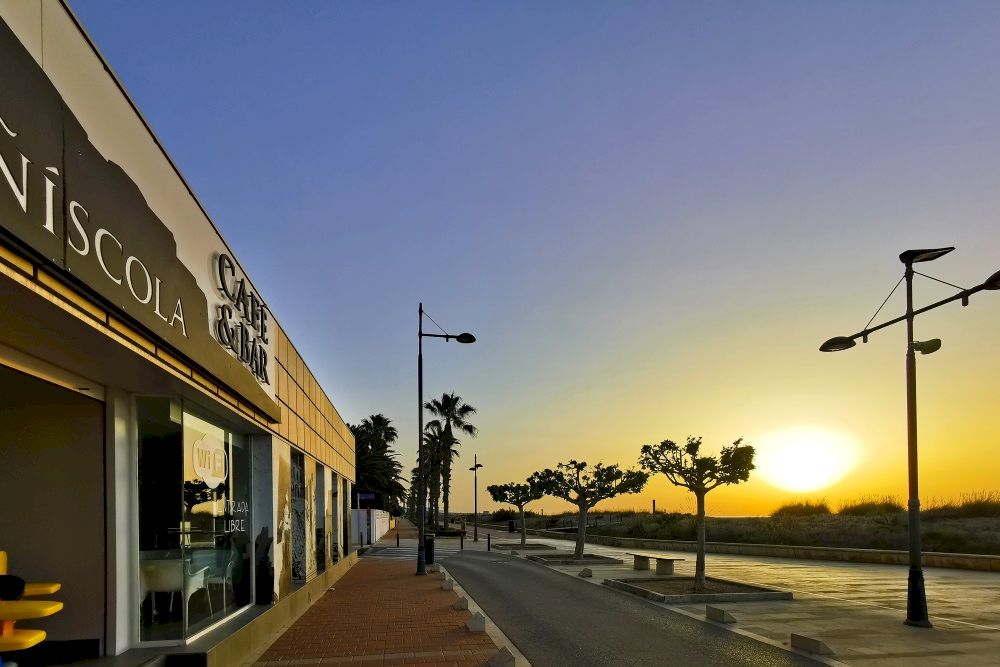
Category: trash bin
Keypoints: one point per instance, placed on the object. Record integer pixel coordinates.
(510, 526)
(429, 548)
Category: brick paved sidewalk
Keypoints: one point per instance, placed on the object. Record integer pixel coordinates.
(379, 613)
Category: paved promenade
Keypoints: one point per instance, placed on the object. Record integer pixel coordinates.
(381, 613)
(856, 609)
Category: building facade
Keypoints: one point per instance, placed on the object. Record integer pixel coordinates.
(166, 453)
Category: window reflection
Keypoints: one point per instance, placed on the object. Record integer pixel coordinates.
(194, 520)
(215, 535)
(298, 518)
(161, 462)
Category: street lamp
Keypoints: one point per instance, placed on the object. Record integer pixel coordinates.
(422, 494)
(916, 598)
(475, 497)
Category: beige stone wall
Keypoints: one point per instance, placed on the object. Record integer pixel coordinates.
(308, 418)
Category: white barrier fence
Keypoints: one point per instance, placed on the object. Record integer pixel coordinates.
(370, 525)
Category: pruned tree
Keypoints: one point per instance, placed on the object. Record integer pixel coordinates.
(195, 493)
(683, 466)
(585, 486)
(517, 495)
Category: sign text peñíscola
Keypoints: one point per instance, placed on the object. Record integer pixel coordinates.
(84, 236)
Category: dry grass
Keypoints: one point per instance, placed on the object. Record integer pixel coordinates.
(968, 505)
(871, 506)
(968, 524)
(802, 508)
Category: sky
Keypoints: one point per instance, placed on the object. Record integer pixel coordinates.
(650, 214)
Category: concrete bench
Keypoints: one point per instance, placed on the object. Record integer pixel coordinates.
(664, 564)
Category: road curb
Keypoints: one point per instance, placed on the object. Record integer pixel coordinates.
(494, 632)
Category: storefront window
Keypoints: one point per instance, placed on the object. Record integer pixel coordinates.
(298, 518)
(160, 473)
(216, 529)
(194, 521)
(321, 518)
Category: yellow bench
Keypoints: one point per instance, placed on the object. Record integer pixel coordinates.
(34, 590)
(18, 640)
(19, 610)
(31, 590)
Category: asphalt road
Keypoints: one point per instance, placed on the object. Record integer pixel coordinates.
(556, 620)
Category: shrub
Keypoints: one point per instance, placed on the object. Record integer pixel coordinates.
(504, 514)
(804, 508)
(871, 505)
(946, 541)
(970, 505)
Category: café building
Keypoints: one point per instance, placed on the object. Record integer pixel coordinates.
(166, 454)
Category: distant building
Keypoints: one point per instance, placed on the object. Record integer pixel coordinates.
(165, 453)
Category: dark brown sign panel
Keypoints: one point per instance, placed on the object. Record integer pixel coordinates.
(83, 214)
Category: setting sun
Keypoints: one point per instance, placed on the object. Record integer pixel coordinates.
(806, 458)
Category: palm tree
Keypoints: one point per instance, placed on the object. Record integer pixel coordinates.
(378, 470)
(413, 499)
(435, 442)
(452, 415)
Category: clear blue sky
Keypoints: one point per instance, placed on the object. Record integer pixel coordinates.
(650, 213)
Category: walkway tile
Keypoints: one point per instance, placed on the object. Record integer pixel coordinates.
(381, 613)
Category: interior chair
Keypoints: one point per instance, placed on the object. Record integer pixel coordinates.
(224, 580)
(161, 576)
(196, 581)
(167, 576)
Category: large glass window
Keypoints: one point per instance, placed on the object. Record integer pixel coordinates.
(194, 520)
(321, 518)
(216, 529)
(298, 518)
(160, 476)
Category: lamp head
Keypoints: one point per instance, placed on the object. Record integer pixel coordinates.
(927, 346)
(923, 255)
(993, 282)
(465, 338)
(476, 467)
(837, 344)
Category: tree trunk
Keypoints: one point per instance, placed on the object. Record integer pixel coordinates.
(449, 442)
(435, 495)
(446, 485)
(699, 568)
(581, 534)
(524, 531)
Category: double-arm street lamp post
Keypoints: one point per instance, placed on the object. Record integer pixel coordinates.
(422, 494)
(475, 496)
(916, 598)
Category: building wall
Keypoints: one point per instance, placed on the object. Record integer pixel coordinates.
(82, 327)
(50, 33)
(52, 495)
(308, 418)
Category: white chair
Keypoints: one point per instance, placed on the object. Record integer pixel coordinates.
(167, 576)
(223, 580)
(161, 576)
(196, 581)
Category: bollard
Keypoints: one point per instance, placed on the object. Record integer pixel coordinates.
(488, 536)
(461, 540)
(361, 537)
(397, 538)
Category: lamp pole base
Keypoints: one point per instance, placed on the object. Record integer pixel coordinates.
(916, 600)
